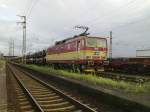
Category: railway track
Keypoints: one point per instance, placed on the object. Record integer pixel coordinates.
(125, 77)
(35, 95)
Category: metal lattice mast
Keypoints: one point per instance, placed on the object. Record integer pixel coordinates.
(13, 48)
(9, 49)
(23, 23)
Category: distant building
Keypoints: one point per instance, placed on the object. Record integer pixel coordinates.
(143, 53)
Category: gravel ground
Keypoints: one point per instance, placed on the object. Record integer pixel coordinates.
(11, 94)
(3, 90)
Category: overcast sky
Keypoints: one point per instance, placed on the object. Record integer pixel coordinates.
(52, 20)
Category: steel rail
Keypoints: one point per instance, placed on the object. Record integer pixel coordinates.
(50, 87)
(75, 102)
(30, 97)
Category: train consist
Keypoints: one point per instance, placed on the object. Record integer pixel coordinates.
(86, 53)
(36, 58)
(81, 52)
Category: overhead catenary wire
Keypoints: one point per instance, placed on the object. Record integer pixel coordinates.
(120, 9)
(27, 5)
(121, 26)
(115, 10)
(30, 10)
(98, 20)
(125, 24)
(33, 4)
(131, 23)
(110, 14)
(36, 40)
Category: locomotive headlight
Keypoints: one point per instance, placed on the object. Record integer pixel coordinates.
(88, 57)
(95, 48)
(96, 53)
(103, 57)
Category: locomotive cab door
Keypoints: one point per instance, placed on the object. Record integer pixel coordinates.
(78, 45)
(78, 49)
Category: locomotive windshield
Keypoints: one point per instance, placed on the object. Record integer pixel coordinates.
(95, 42)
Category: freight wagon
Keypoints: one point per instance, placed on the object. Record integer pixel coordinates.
(137, 65)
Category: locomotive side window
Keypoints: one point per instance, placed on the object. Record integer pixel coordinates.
(95, 42)
(82, 42)
(91, 42)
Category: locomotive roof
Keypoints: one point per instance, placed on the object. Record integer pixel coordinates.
(63, 41)
(71, 38)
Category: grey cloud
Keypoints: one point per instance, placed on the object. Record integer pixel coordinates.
(54, 20)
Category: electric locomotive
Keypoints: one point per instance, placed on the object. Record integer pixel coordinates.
(83, 52)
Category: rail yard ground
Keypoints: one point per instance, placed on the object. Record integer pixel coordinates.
(99, 107)
(121, 95)
(100, 95)
(129, 90)
(33, 94)
(3, 90)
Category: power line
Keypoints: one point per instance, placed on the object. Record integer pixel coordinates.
(109, 14)
(126, 24)
(30, 4)
(26, 7)
(33, 4)
(131, 23)
(36, 40)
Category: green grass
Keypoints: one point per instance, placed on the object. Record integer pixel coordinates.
(2, 62)
(95, 80)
